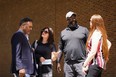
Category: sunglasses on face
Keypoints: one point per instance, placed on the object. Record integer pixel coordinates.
(45, 31)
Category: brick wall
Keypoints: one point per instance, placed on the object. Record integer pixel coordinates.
(52, 13)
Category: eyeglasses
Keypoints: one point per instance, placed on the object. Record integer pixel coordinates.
(45, 31)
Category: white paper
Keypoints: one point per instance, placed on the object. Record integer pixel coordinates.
(47, 62)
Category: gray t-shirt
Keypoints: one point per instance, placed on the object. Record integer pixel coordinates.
(72, 43)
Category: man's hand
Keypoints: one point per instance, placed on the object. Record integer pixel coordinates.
(21, 72)
(58, 68)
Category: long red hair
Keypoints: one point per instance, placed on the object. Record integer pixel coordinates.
(98, 23)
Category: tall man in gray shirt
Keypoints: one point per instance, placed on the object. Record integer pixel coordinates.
(72, 44)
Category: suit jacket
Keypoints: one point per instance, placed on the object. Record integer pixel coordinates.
(21, 53)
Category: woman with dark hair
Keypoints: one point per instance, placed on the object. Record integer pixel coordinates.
(97, 46)
(45, 52)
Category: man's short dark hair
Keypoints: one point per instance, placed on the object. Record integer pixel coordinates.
(26, 19)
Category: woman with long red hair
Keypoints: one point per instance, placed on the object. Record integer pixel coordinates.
(97, 47)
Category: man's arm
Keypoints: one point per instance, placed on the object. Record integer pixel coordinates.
(58, 60)
(19, 64)
(16, 43)
(59, 56)
(60, 49)
(86, 33)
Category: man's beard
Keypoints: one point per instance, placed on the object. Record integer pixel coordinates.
(73, 23)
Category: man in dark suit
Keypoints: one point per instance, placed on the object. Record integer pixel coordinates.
(22, 54)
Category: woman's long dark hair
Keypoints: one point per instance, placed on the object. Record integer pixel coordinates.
(51, 36)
